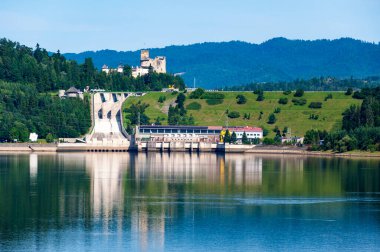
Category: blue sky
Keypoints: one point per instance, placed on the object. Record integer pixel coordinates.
(79, 25)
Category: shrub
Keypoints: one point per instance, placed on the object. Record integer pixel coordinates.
(233, 114)
(299, 93)
(283, 100)
(161, 99)
(258, 91)
(287, 92)
(329, 96)
(194, 106)
(268, 141)
(197, 93)
(212, 95)
(358, 95)
(349, 91)
(214, 101)
(265, 131)
(299, 102)
(272, 119)
(277, 110)
(315, 105)
(241, 99)
(313, 117)
(260, 95)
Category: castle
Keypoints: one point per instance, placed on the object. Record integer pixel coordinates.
(157, 64)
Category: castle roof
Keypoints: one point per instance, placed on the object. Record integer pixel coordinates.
(72, 90)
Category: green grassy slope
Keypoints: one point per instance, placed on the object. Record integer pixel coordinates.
(295, 117)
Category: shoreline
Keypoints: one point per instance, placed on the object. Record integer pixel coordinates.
(53, 148)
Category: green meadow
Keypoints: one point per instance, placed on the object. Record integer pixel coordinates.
(295, 117)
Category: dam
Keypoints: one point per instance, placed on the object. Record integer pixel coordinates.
(107, 132)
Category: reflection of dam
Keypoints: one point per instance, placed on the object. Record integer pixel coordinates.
(134, 185)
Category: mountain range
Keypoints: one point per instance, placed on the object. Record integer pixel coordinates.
(216, 65)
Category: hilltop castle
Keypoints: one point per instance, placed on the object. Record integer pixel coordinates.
(157, 64)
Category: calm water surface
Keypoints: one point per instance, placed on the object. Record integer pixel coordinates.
(154, 202)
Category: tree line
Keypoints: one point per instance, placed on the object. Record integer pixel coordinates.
(314, 84)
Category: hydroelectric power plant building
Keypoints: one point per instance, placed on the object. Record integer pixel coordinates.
(194, 133)
(179, 133)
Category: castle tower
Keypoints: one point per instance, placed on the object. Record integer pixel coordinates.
(144, 55)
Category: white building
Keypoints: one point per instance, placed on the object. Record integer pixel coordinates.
(251, 132)
(107, 70)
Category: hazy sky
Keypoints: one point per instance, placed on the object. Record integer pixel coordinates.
(79, 25)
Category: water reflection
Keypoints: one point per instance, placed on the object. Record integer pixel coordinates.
(138, 201)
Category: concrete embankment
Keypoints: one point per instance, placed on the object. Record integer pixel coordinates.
(271, 150)
(302, 151)
(27, 147)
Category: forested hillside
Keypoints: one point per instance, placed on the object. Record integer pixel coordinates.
(216, 65)
(19, 63)
(24, 110)
(30, 79)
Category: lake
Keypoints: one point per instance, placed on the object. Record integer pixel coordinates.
(188, 202)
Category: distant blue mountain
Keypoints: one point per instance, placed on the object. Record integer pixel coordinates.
(234, 63)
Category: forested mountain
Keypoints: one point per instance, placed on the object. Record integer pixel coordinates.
(216, 65)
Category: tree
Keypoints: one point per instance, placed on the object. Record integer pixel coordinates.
(137, 114)
(299, 93)
(157, 121)
(233, 137)
(241, 99)
(162, 98)
(349, 91)
(227, 137)
(272, 119)
(19, 131)
(49, 138)
(366, 112)
(245, 139)
(260, 95)
(283, 100)
(127, 71)
(233, 114)
(180, 100)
